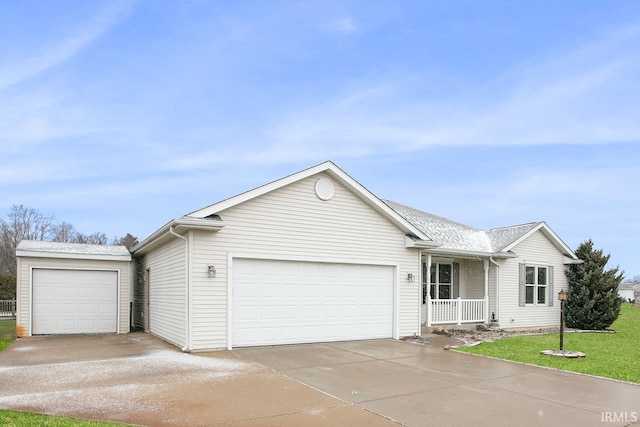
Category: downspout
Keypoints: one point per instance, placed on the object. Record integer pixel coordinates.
(497, 287)
(187, 309)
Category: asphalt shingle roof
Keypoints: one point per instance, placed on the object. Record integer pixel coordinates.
(71, 248)
(456, 236)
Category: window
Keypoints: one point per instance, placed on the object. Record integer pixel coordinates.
(536, 281)
(442, 277)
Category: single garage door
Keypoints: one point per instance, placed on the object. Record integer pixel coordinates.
(74, 301)
(286, 302)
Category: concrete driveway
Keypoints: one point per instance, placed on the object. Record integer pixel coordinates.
(424, 385)
(138, 379)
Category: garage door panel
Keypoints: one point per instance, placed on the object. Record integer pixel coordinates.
(74, 301)
(282, 302)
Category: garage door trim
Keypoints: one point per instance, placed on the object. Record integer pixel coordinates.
(66, 268)
(327, 260)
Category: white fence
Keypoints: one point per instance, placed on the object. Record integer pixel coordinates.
(7, 309)
(457, 311)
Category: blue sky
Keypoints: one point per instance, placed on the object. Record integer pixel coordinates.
(117, 116)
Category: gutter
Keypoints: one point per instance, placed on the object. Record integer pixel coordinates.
(182, 222)
(497, 288)
(187, 308)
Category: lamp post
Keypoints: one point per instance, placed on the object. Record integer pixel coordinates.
(562, 296)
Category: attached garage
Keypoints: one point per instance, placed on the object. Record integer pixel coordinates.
(68, 288)
(285, 302)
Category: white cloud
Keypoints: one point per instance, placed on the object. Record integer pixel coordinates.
(56, 53)
(589, 95)
(344, 24)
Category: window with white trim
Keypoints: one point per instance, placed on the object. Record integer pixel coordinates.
(442, 279)
(536, 281)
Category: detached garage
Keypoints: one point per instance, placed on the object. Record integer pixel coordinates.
(66, 288)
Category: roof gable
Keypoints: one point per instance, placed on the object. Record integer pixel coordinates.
(456, 237)
(336, 173)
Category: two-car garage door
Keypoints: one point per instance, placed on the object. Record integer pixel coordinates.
(285, 302)
(74, 301)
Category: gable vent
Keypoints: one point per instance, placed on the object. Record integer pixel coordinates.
(325, 189)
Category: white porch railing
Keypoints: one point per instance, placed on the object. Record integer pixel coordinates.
(457, 311)
(7, 309)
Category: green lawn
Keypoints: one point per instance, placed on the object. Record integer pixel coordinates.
(609, 355)
(7, 333)
(22, 419)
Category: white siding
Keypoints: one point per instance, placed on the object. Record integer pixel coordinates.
(471, 279)
(25, 264)
(167, 316)
(537, 249)
(293, 222)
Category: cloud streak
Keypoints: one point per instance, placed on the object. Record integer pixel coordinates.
(570, 97)
(63, 50)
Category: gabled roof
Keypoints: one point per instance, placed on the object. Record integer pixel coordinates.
(339, 175)
(39, 249)
(459, 238)
(450, 234)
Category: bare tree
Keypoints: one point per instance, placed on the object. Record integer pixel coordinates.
(64, 232)
(21, 223)
(129, 241)
(91, 239)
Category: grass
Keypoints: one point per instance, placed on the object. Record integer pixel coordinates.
(615, 356)
(7, 333)
(22, 419)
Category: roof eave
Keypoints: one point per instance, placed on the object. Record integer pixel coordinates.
(471, 254)
(183, 223)
(71, 255)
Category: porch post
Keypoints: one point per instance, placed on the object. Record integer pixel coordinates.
(428, 285)
(486, 291)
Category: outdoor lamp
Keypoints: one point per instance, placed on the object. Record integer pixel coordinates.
(562, 295)
(211, 270)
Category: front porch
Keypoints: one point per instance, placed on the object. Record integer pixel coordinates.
(455, 291)
(457, 311)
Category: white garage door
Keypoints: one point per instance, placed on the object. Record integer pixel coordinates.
(74, 301)
(285, 302)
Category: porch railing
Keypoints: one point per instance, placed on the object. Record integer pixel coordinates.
(457, 311)
(7, 309)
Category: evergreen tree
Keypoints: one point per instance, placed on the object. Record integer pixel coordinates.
(592, 299)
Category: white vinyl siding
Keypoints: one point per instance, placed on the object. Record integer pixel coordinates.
(24, 286)
(293, 222)
(167, 276)
(537, 250)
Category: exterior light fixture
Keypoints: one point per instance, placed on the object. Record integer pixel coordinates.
(211, 271)
(562, 297)
(411, 278)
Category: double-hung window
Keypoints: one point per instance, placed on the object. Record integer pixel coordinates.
(536, 283)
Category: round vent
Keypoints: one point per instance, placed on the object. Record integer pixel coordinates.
(325, 189)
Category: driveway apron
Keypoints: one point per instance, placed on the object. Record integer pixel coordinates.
(138, 379)
(424, 385)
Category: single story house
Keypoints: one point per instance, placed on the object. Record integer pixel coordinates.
(311, 257)
(316, 257)
(629, 291)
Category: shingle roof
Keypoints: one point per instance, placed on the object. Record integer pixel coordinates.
(456, 236)
(71, 248)
(502, 237)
